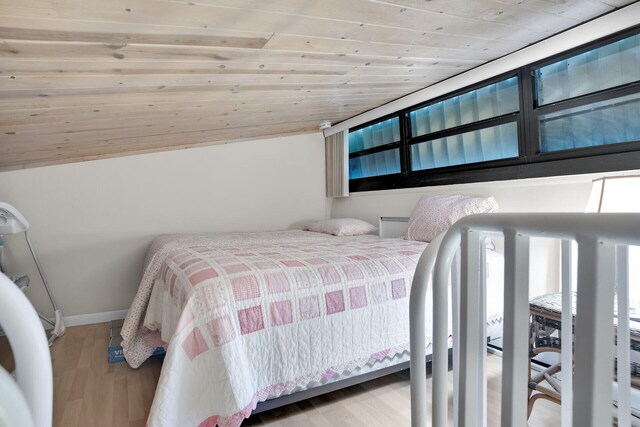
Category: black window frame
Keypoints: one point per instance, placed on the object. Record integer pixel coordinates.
(531, 162)
(576, 101)
(469, 127)
(384, 147)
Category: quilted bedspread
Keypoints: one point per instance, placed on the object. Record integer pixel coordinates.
(245, 316)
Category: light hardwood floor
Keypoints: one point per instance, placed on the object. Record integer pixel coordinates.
(88, 391)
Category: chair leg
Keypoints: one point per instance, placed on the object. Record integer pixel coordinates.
(535, 398)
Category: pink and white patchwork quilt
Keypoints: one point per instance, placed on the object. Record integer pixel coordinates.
(246, 316)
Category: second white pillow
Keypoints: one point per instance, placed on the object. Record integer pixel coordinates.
(342, 227)
(435, 214)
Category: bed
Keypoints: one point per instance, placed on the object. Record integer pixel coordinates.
(252, 317)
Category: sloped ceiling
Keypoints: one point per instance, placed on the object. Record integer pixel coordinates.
(92, 79)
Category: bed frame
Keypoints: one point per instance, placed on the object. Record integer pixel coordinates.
(338, 385)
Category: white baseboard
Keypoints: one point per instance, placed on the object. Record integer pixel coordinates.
(88, 319)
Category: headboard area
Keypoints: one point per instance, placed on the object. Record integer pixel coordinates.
(392, 226)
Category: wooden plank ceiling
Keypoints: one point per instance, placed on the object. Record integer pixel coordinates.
(88, 79)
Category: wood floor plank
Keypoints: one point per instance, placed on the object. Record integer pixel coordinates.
(120, 417)
(79, 384)
(71, 414)
(62, 384)
(86, 355)
(135, 401)
(97, 404)
(148, 383)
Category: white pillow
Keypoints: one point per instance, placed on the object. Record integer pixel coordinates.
(342, 227)
(435, 214)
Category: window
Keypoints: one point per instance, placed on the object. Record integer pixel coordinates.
(605, 67)
(606, 122)
(491, 143)
(474, 127)
(490, 101)
(373, 149)
(590, 99)
(577, 112)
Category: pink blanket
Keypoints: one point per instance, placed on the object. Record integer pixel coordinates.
(248, 316)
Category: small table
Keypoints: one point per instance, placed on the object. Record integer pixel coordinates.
(545, 329)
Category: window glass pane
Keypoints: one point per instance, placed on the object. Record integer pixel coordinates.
(602, 68)
(497, 142)
(607, 122)
(377, 134)
(382, 163)
(490, 101)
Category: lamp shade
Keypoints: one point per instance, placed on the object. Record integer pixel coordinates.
(615, 194)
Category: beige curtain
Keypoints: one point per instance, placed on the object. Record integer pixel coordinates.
(337, 160)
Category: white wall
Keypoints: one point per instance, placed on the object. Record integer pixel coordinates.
(556, 194)
(91, 222)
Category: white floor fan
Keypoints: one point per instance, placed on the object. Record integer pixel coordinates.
(13, 222)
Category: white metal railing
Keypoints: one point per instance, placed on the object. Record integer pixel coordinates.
(602, 241)
(27, 400)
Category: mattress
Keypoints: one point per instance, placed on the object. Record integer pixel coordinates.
(250, 316)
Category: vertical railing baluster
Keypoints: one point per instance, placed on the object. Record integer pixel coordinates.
(623, 337)
(482, 323)
(472, 346)
(455, 324)
(417, 314)
(566, 333)
(515, 352)
(441, 275)
(594, 333)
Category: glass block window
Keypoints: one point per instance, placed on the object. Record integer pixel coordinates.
(491, 101)
(607, 122)
(576, 112)
(479, 125)
(382, 163)
(591, 99)
(606, 67)
(374, 149)
(492, 143)
(375, 135)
